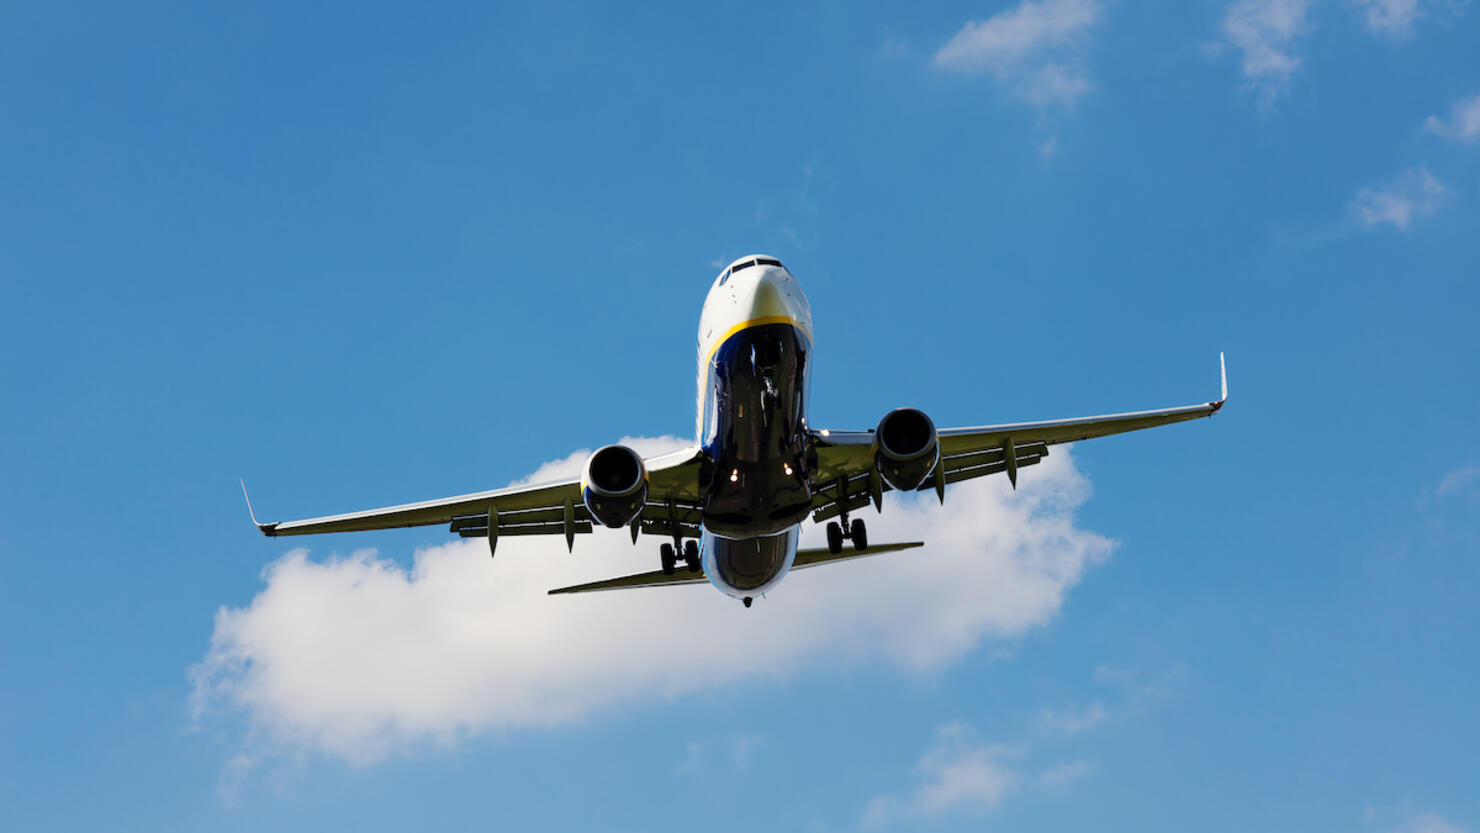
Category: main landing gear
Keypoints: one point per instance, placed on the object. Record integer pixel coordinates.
(668, 555)
(855, 531)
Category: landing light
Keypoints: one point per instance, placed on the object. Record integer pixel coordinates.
(735, 476)
(786, 467)
(825, 432)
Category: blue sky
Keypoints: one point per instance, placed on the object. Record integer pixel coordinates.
(362, 255)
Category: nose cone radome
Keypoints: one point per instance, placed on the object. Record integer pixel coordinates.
(769, 296)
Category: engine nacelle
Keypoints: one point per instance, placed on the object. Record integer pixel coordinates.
(614, 485)
(907, 449)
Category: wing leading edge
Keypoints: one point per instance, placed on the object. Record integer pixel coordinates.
(849, 478)
(552, 508)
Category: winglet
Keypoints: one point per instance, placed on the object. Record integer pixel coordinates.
(1223, 371)
(270, 530)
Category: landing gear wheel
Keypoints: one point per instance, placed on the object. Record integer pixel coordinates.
(691, 555)
(834, 537)
(665, 554)
(747, 600)
(859, 534)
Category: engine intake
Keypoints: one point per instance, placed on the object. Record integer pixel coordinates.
(614, 485)
(908, 449)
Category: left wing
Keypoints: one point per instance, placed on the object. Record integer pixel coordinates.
(848, 477)
(541, 509)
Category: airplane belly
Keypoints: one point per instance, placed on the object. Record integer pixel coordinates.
(760, 484)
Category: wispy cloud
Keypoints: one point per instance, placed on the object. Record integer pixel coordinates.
(1063, 772)
(1133, 695)
(359, 657)
(1463, 124)
(1406, 819)
(734, 752)
(1035, 50)
(1265, 33)
(958, 773)
(1413, 194)
(1390, 17)
(1459, 481)
(1073, 721)
(1395, 18)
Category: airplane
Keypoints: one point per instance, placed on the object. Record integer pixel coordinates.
(734, 503)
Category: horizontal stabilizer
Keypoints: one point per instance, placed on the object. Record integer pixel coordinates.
(812, 558)
(656, 578)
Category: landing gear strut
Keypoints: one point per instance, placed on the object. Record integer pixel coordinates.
(854, 531)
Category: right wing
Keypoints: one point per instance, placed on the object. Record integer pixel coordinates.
(538, 509)
(848, 477)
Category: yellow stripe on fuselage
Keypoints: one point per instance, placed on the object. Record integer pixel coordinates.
(754, 322)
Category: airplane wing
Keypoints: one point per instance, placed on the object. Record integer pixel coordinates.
(848, 477)
(539, 509)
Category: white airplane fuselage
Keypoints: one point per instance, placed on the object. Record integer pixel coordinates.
(755, 353)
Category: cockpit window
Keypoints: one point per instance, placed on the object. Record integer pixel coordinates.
(761, 261)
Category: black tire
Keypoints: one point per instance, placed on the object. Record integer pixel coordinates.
(834, 537)
(691, 555)
(860, 534)
(665, 554)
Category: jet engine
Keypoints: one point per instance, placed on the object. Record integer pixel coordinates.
(614, 485)
(906, 448)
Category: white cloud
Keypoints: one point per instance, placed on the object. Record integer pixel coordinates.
(1415, 193)
(957, 774)
(1463, 124)
(1035, 50)
(1265, 32)
(358, 657)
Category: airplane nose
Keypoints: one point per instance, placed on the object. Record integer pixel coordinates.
(769, 298)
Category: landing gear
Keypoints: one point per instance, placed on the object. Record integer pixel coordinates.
(665, 554)
(854, 531)
(747, 600)
(691, 555)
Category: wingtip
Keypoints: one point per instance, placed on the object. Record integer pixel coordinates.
(270, 530)
(1223, 372)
